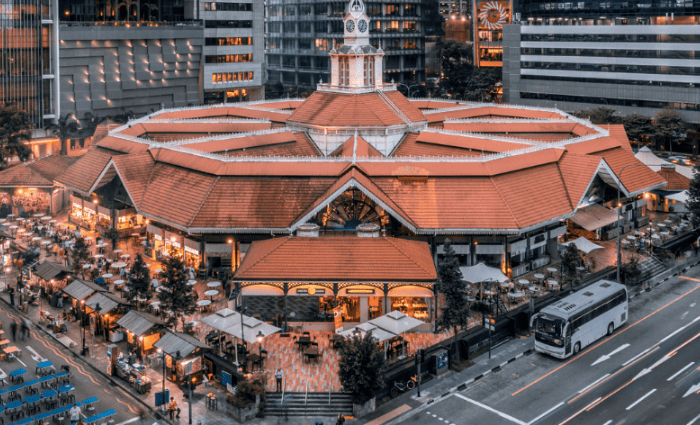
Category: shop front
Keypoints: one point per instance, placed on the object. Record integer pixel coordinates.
(104, 310)
(183, 357)
(128, 222)
(28, 201)
(83, 212)
(142, 332)
(192, 254)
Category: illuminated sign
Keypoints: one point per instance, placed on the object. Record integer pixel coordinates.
(310, 291)
(493, 15)
(360, 291)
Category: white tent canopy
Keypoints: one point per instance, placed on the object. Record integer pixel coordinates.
(647, 157)
(584, 245)
(378, 334)
(681, 197)
(222, 320)
(482, 273)
(396, 322)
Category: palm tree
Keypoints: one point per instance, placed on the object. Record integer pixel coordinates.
(127, 4)
(63, 129)
(151, 8)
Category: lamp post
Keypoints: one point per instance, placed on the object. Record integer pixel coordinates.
(408, 88)
(97, 310)
(162, 360)
(260, 337)
(82, 317)
(189, 399)
(241, 310)
(619, 207)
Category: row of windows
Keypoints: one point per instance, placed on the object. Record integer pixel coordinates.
(607, 81)
(338, 27)
(592, 67)
(611, 101)
(372, 9)
(597, 309)
(228, 58)
(228, 24)
(324, 44)
(231, 77)
(612, 53)
(305, 62)
(615, 38)
(229, 7)
(228, 41)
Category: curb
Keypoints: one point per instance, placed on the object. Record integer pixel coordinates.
(648, 285)
(157, 415)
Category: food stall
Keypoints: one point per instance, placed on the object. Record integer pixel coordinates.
(192, 254)
(111, 307)
(128, 222)
(80, 290)
(143, 330)
(129, 370)
(183, 356)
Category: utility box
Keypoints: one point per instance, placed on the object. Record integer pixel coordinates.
(440, 361)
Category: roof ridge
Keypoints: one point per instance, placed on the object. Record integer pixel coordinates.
(566, 187)
(391, 241)
(150, 178)
(201, 204)
(500, 195)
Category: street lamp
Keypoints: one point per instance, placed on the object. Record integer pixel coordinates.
(619, 208)
(408, 89)
(162, 359)
(189, 399)
(97, 310)
(82, 317)
(260, 337)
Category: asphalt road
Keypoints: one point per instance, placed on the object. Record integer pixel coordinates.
(647, 372)
(87, 382)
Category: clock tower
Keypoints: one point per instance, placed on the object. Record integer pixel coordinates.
(356, 65)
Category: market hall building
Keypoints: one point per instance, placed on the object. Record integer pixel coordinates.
(502, 182)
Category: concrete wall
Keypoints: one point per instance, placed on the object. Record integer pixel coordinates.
(106, 69)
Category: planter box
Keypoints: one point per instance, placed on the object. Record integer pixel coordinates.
(360, 410)
(241, 415)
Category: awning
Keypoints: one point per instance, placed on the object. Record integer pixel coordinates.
(411, 291)
(482, 273)
(594, 217)
(583, 244)
(138, 322)
(681, 197)
(49, 270)
(218, 249)
(177, 342)
(262, 290)
(81, 289)
(107, 302)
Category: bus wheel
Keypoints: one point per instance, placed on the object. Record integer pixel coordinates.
(577, 348)
(611, 328)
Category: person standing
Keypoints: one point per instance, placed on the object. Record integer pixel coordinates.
(341, 419)
(74, 414)
(278, 376)
(13, 330)
(12, 297)
(25, 329)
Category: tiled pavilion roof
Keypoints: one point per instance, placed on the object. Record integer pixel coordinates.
(483, 168)
(38, 173)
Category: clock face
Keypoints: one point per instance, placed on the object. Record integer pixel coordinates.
(350, 26)
(362, 25)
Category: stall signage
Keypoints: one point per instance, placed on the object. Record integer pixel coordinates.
(360, 291)
(338, 318)
(190, 250)
(157, 237)
(177, 245)
(310, 291)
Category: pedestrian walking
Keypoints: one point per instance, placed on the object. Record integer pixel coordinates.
(25, 329)
(278, 376)
(13, 330)
(341, 419)
(12, 297)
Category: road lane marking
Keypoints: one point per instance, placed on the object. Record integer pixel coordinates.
(546, 413)
(689, 278)
(636, 357)
(129, 421)
(580, 411)
(694, 419)
(691, 390)
(483, 406)
(608, 422)
(620, 332)
(680, 371)
(588, 387)
(607, 356)
(640, 400)
(36, 355)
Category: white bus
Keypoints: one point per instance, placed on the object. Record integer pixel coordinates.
(566, 327)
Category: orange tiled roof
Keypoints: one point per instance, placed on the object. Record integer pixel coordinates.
(491, 112)
(82, 175)
(675, 180)
(634, 178)
(338, 259)
(577, 170)
(274, 144)
(339, 109)
(53, 165)
(135, 171)
(468, 143)
(121, 145)
(37, 173)
(362, 150)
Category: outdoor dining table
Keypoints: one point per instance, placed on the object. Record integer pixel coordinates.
(119, 264)
(202, 303)
(4, 342)
(32, 399)
(533, 288)
(552, 284)
(191, 282)
(211, 294)
(87, 266)
(49, 395)
(523, 281)
(539, 276)
(552, 269)
(630, 237)
(311, 353)
(117, 251)
(107, 275)
(46, 380)
(303, 341)
(64, 375)
(516, 295)
(38, 215)
(214, 284)
(17, 373)
(119, 282)
(25, 421)
(31, 386)
(505, 285)
(41, 367)
(125, 256)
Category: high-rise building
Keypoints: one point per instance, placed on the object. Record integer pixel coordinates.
(28, 53)
(299, 34)
(637, 57)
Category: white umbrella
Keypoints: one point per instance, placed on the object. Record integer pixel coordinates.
(584, 245)
(398, 323)
(481, 273)
(377, 333)
(222, 320)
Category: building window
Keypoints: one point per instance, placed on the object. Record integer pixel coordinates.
(410, 26)
(369, 71)
(305, 27)
(305, 10)
(289, 43)
(273, 11)
(320, 27)
(290, 10)
(391, 10)
(344, 67)
(228, 41)
(288, 62)
(229, 7)
(338, 8)
(305, 43)
(273, 43)
(228, 24)
(322, 44)
(274, 26)
(393, 26)
(290, 27)
(336, 26)
(248, 57)
(320, 9)
(231, 77)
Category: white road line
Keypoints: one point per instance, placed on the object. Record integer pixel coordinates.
(694, 419)
(680, 371)
(640, 400)
(636, 357)
(129, 421)
(483, 406)
(607, 356)
(546, 413)
(588, 387)
(36, 355)
(608, 422)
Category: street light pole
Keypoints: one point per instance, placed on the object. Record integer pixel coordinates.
(82, 317)
(408, 89)
(260, 337)
(189, 399)
(619, 211)
(241, 311)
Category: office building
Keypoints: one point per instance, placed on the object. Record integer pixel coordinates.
(299, 35)
(635, 58)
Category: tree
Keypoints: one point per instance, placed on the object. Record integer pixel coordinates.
(454, 314)
(638, 127)
(80, 256)
(14, 131)
(457, 60)
(630, 271)
(139, 281)
(274, 90)
(570, 262)
(177, 296)
(360, 367)
(482, 84)
(670, 127)
(64, 128)
(693, 204)
(599, 115)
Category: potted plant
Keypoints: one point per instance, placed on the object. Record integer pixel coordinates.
(244, 404)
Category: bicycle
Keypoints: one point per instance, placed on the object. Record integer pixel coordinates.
(401, 387)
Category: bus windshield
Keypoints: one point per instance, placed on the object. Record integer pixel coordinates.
(550, 326)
